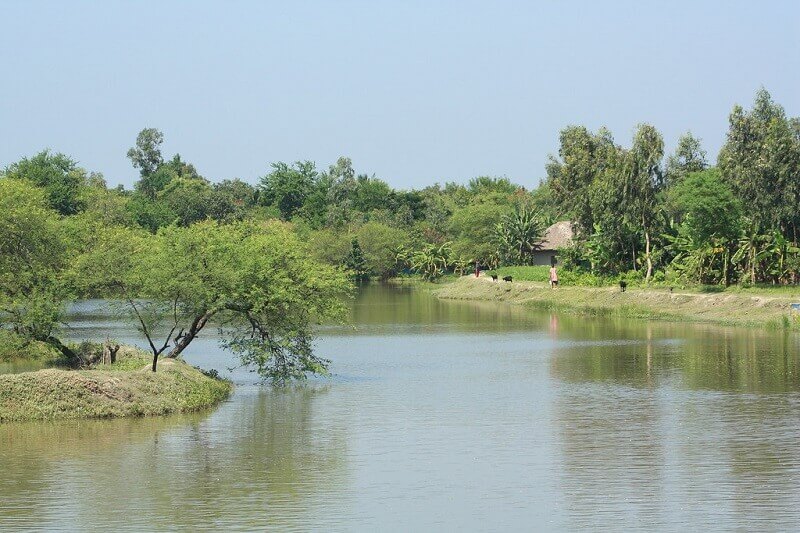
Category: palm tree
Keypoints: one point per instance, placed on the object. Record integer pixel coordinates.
(431, 261)
(519, 235)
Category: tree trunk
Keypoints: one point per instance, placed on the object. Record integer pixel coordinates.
(725, 267)
(110, 352)
(647, 254)
(71, 356)
(184, 339)
(155, 361)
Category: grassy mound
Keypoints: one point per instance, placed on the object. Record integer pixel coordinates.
(126, 388)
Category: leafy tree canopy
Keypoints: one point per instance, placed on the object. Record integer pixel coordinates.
(256, 280)
(57, 174)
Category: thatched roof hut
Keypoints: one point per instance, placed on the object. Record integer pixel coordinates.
(557, 236)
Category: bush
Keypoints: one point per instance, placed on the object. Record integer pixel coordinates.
(13, 346)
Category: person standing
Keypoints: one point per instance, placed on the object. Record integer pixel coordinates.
(553, 277)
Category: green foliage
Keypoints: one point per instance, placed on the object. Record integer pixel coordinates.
(370, 194)
(761, 160)
(146, 155)
(232, 200)
(380, 244)
(330, 246)
(341, 187)
(584, 157)
(484, 185)
(288, 187)
(149, 214)
(257, 279)
(689, 157)
(33, 256)
(355, 262)
(57, 174)
(188, 200)
(473, 229)
(519, 236)
(17, 347)
(431, 261)
(707, 206)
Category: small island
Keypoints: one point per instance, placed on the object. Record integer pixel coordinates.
(126, 387)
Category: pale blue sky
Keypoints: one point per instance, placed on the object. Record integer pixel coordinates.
(415, 91)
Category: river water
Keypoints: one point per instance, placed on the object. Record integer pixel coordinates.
(443, 416)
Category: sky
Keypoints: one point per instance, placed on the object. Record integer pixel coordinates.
(415, 92)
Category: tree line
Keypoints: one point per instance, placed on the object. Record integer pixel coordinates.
(270, 258)
(734, 222)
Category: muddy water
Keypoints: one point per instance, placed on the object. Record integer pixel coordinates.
(443, 416)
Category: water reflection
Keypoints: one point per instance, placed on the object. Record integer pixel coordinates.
(694, 357)
(233, 467)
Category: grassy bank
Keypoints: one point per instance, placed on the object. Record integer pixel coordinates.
(126, 388)
(751, 308)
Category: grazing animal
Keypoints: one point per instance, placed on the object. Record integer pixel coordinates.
(623, 285)
(494, 277)
(670, 289)
(506, 278)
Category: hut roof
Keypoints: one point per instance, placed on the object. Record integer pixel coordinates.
(557, 236)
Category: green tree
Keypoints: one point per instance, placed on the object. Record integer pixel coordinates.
(148, 213)
(761, 161)
(584, 158)
(689, 157)
(711, 223)
(645, 180)
(356, 263)
(431, 261)
(483, 185)
(473, 229)
(380, 244)
(153, 183)
(108, 206)
(232, 200)
(57, 174)
(519, 236)
(34, 254)
(146, 155)
(341, 192)
(708, 206)
(256, 279)
(188, 199)
(288, 187)
(370, 193)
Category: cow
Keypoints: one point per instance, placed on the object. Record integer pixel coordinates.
(494, 277)
(507, 278)
(623, 285)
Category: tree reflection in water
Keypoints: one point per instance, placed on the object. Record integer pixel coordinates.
(226, 468)
(699, 429)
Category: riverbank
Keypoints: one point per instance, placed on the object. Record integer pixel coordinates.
(126, 388)
(759, 310)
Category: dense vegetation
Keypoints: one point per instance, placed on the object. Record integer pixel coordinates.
(271, 258)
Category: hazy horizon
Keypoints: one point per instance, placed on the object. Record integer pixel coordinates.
(413, 93)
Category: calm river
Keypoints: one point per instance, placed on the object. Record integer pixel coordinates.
(443, 416)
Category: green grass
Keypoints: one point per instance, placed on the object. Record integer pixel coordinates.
(541, 274)
(127, 388)
(751, 308)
